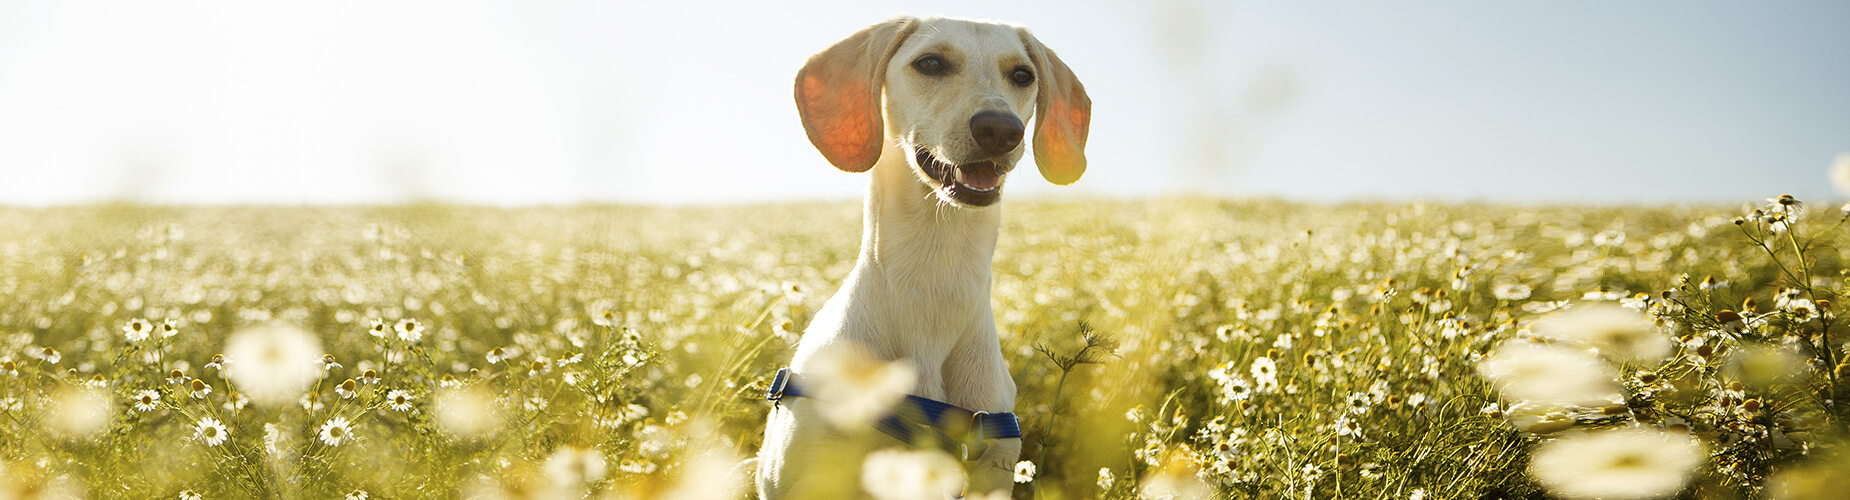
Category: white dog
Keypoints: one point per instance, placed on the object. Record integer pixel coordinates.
(935, 107)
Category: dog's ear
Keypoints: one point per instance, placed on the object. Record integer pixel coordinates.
(838, 94)
(1063, 114)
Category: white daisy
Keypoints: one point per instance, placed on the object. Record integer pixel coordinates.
(1537, 372)
(211, 432)
(199, 389)
(1265, 374)
(358, 495)
(1619, 332)
(147, 400)
(378, 329)
(137, 329)
(275, 363)
(399, 400)
(336, 431)
(169, 328)
(409, 330)
(1617, 464)
(1024, 471)
(853, 387)
(189, 495)
(347, 389)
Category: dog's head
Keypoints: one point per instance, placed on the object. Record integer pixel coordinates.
(955, 96)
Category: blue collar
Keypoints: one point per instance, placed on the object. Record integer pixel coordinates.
(950, 426)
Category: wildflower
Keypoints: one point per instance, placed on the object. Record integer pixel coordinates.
(1359, 403)
(370, 377)
(358, 495)
(399, 400)
(1265, 374)
(78, 412)
(1346, 426)
(448, 380)
(137, 330)
(378, 328)
(1418, 494)
(1617, 464)
(1616, 331)
(218, 362)
(465, 412)
(199, 389)
(1105, 478)
(211, 432)
(11, 368)
(907, 474)
(605, 318)
(497, 355)
(336, 431)
(51, 356)
(328, 363)
(854, 388)
(1527, 370)
(1492, 410)
(235, 401)
(311, 402)
(572, 466)
(97, 382)
(176, 377)
(1510, 291)
(275, 362)
(409, 330)
(348, 389)
(189, 495)
(147, 400)
(169, 328)
(1024, 471)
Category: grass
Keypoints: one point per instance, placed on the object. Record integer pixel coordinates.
(637, 341)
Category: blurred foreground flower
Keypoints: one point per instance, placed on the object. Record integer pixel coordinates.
(76, 412)
(1624, 334)
(853, 388)
(274, 363)
(1618, 464)
(910, 474)
(1538, 372)
(466, 412)
(1840, 174)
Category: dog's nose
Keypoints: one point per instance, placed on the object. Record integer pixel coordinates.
(996, 132)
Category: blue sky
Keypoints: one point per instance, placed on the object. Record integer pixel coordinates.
(689, 102)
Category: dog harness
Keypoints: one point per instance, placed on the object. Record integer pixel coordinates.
(952, 427)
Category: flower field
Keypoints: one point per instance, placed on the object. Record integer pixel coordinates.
(1174, 348)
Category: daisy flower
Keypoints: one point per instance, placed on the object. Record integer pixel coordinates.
(51, 356)
(190, 495)
(211, 432)
(409, 330)
(137, 329)
(199, 389)
(1617, 331)
(1024, 471)
(169, 328)
(378, 329)
(399, 400)
(370, 376)
(336, 431)
(347, 389)
(147, 400)
(1265, 374)
(1618, 464)
(358, 495)
(275, 363)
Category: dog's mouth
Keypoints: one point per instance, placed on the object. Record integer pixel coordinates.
(976, 184)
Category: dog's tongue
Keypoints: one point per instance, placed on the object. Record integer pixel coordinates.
(980, 176)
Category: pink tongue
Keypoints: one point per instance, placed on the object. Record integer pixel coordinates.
(979, 176)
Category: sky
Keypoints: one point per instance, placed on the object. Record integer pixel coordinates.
(560, 102)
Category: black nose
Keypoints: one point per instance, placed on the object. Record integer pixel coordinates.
(996, 132)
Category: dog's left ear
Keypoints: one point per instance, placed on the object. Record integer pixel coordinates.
(838, 94)
(1063, 114)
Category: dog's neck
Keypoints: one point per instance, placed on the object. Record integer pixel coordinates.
(921, 245)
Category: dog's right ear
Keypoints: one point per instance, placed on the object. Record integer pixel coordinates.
(838, 94)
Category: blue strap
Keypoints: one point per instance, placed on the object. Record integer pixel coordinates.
(944, 419)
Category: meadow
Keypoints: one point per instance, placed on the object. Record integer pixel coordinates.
(1172, 348)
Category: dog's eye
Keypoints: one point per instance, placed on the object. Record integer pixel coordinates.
(930, 65)
(1022, 77)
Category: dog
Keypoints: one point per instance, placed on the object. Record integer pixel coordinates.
(935, 108)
